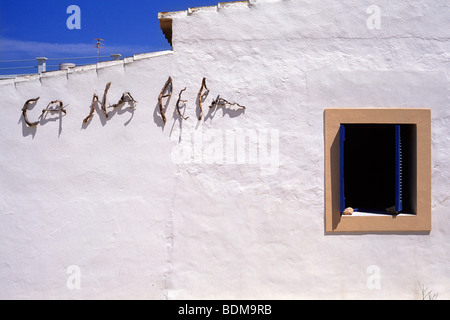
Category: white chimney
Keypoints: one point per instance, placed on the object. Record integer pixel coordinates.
(42, 64)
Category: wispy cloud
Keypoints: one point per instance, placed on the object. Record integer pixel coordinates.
(47, 49)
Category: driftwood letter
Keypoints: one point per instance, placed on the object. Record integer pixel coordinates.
(24, 112)
(201, 97)
(162, 95)
(94, 100)
(178, 104)
(51, 110)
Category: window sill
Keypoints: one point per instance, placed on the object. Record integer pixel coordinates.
(372, 214)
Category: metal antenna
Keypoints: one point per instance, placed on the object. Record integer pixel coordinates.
(98, 46)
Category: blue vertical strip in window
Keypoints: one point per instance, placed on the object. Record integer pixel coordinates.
(342, 195)
(398, 169)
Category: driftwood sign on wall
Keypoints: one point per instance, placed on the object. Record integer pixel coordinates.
(166, 92)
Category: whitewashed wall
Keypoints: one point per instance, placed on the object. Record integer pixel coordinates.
(151, 212)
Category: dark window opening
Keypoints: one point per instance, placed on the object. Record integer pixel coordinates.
(378, 168)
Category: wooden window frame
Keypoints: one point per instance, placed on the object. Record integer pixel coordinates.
(420, 222)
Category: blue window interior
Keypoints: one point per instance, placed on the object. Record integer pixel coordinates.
(377, 167)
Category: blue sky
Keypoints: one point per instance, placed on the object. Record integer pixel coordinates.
(33, 28)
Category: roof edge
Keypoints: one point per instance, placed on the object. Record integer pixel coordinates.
(165, 18)
(192, 10)
(87, 67)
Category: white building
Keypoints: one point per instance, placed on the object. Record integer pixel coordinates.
(244, 203)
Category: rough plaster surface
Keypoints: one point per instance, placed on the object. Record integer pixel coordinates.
(154, 212)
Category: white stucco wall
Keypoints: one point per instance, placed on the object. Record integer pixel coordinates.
(156, 212)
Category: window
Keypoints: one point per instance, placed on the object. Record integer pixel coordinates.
(378, 162)
(377, 168)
